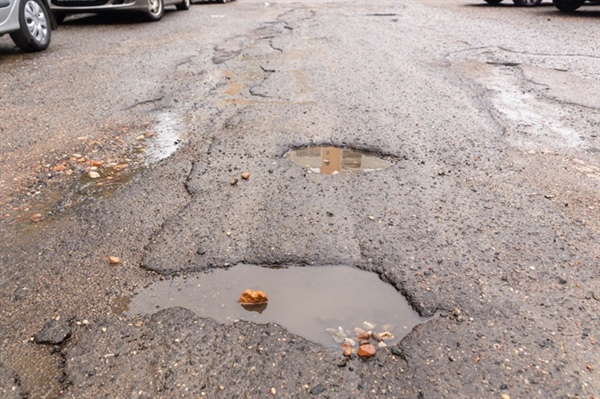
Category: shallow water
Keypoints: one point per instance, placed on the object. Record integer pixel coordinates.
(335, 160)
(307, 301)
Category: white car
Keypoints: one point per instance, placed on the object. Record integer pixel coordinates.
(28, 22)
(153, 10)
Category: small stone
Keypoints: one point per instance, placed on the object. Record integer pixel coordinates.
(366, 350)
(368, 326)
(347, 348)
(234, 181)
(505, 396)
(113, 260)
(350, 342)
(38, 217)
(386, 335)
(96, 164)
(358, 331)
(245, 175)
(139, 324)
(365, 336)
(376, 337)
(396, 351)
(228, 234)
(317, 389)
(55, 332)
(250, 297)
(340, 335)
(59, 168)
(381, 345)
(590, 368)
(273, 390)
(93, 175)
(140, 137)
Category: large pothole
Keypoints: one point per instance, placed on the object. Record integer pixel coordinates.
(328, 160)
(324, 304)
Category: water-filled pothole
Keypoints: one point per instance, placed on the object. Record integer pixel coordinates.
(334, 160)
(320, 303)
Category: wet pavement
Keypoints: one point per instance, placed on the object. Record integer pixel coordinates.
(484, 214)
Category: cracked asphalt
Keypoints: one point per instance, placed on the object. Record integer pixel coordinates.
(487, 221)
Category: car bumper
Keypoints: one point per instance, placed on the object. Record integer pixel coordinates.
(81, 6)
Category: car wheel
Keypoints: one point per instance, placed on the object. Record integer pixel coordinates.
(34, 32)
(568, 5)
(527, 3)
(184, 5)
(156, 9)
(493, 1)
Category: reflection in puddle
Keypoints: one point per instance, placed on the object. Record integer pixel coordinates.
(168, 138)
(307, 301)
(334, 160)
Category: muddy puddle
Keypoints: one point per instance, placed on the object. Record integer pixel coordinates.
(320, 303)
(336, 160)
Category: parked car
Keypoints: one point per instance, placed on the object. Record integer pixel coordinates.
(568, 5)
(153, 10)
(520, 3)
(28, 22)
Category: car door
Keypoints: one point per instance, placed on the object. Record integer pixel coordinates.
(5, 8)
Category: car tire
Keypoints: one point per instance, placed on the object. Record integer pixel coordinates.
(35, 32)
(156, 10)
(493, 1)
(568, 5)
(184, 5)
(527, 3)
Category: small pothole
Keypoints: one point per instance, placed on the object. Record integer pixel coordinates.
(329, 160)
(324, 304)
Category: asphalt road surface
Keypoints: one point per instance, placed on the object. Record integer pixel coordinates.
(124, 139)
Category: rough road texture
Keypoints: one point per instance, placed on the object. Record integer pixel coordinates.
(488, 220)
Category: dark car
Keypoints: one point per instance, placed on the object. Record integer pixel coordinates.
(29, 23)
(153, 10)
(520, 3)
(568, 5)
